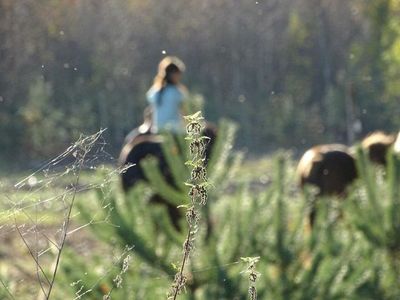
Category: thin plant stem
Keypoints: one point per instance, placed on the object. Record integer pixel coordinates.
(197, 194)
(65, 227)
(185, 256)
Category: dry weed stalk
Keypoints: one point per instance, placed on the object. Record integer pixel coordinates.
(198, 194)
(253, 275)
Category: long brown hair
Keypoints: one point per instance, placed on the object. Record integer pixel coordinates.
(167, 66)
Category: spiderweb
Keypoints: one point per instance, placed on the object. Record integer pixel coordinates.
(38, 219)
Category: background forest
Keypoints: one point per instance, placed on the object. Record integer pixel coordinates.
(292, 73)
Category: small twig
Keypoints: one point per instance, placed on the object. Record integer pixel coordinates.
(181, 278)
(66, 225)
(37, 257)
(38, 266)
(31, 252)
(38, 231)
(7, 289)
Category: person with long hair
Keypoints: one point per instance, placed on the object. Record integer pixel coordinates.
(166, 95)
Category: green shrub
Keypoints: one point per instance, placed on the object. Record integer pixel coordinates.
(351, 253)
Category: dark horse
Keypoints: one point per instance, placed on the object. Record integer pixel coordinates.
(377, 145)
(141, 143)
(332, 168)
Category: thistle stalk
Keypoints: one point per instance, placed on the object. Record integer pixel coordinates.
(197, 193)
(253, 275)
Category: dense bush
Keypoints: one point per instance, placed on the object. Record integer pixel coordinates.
(353, 251)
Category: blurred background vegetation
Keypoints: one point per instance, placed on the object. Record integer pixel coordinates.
(292, 73)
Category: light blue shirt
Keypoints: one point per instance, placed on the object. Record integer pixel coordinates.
(166, 111)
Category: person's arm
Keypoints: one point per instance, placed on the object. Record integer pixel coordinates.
(151, 96)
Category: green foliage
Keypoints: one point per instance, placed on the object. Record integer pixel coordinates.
(132, 220)
(351, 253)
(44, 121)
(285, 81)
(373, 66)
(375, 211)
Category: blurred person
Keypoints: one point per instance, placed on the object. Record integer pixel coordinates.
(143, 129)
(167, 95)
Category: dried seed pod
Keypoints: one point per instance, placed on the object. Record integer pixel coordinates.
(198, 147)
(118, 281)
(198, 192)
(178, 285)
(253, 292)
(194, 128)
(199, 173)
(253, 276)
(194, 191)
(203, 195)
(192, 216)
